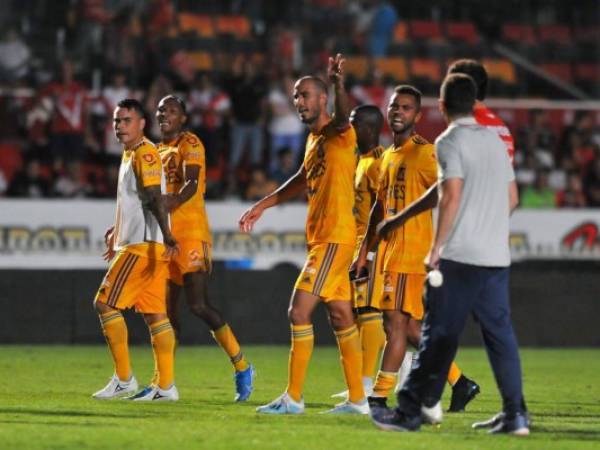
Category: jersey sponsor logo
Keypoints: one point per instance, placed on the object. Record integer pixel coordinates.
(193, 155)
(151, 173)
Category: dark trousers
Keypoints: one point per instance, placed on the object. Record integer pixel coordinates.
(482, 291)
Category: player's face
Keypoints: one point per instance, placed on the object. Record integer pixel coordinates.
(309, 101)
(170, 116)
(363, 133)
(402, 113)
(128, 126)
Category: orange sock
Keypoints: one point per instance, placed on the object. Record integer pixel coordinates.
(115, 332)
(303, 341)
(384, 383)
(454, 374)
(163, 346)
(226, 339)
(351, 357)
(372, 338)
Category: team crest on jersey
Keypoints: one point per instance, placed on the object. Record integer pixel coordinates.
(192, 140)
(195, 258)
(149, 158)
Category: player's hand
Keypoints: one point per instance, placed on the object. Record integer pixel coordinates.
(250, 217)
(170, 202)
(335, 69)
(172, 247)
(109, 241)
(109, 236)
(359, 270)
(432, 260)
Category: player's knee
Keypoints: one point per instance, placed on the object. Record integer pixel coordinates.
(102, 308)
(341, 318)
(298, 317)
(200, 308)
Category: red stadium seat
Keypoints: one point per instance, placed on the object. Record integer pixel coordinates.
(587, 72)
(559, 34)
(559, 70)
(462, 31)
(426, 30)
(587, 34)
(519, 33)
(426, 68)
(201, 60)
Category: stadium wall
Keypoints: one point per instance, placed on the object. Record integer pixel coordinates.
(554, 303)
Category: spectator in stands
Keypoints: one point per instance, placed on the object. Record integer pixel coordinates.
(583, 125)
(538, 134)
(591, 183)
(285, 127)
(15, 57)
(29, 182)
(259, 186)
(70, 182)
(287, 165)
(382, 28)
(572, 195)
(247, 90)
(209, 108)
(539, 195)
(68, 99)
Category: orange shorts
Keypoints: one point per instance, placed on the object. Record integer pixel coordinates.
(403, 292)
(135, 281)
(368, 294)
(194, 256)
(325, 272)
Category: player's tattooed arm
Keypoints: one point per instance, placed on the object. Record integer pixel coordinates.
(290, 189)
(342, 106)
(158, 208)
(188, 190)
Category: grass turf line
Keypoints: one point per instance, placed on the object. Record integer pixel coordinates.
(45, 403)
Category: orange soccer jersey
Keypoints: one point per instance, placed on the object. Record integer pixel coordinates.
(188, 221)
(330, 164)
(365, 189)
(405, 174)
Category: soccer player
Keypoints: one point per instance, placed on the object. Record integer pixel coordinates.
(472, 252)
(183, 159)
(367, 121)
(407, 170)
(487, 118)
(327, 174)
(141, 244)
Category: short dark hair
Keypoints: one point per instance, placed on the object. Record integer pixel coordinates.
(475, 70)
(178, 100)
(319, 84)
(407, 89)
(371, 115)
(132, 103)
(458, 92)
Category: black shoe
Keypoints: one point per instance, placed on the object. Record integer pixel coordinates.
(393, 420)
(377, 402)
(463, 392)
(517, 425)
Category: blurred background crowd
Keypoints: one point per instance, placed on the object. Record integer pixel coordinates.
(65, 64)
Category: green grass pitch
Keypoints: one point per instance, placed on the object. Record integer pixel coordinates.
(45, 404)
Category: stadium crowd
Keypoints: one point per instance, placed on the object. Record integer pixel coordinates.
(65, 65)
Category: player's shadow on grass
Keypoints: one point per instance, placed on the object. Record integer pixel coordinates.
(72, 413)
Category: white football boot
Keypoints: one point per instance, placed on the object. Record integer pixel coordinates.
(116, 388)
